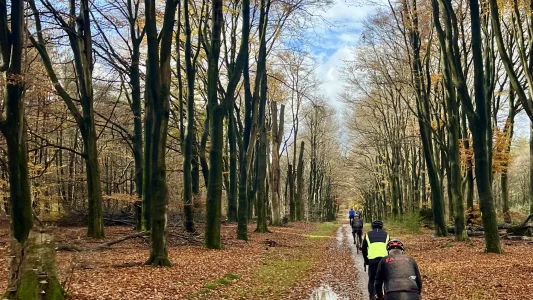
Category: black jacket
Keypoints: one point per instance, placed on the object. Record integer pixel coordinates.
(357, 224)
(399, 273)
(376, 235)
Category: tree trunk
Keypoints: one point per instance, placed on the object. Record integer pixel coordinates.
(508, 130)
(214, 189)
(292, 202)
(33, 273)
(469, 169)
(187, 151)
(157, 96)
(96, 217)
(32, 261)
(531, 169)
(216, 123)
(261, 211)
(242, 209)
(232, 191)
(147, 177)
(481, 133)
(424, 118)
(454, 162)
(277, 134)
(136, 108)
(300, 184)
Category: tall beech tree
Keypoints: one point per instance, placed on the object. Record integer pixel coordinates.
(78, 30)
(157, 95)
(478, 117)
(216, 121)
(128, 65)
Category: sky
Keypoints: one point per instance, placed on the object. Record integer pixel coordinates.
(339, 34)
(336, 37)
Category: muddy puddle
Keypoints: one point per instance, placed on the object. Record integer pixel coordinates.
(323, 293)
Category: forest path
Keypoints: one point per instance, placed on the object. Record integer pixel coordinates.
(362, 276)
(344, 276)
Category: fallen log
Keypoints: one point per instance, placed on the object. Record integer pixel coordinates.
(124, 222)
(189, 238)
(75, 248)
(451, 229)
(522, 229)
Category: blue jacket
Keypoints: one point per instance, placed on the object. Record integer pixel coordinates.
(352, 213)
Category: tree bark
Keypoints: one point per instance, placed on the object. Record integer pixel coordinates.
(300, 184)
(482, 132)
(157, 95)
(188, 147)
(216, 122)
(242, 210)
(277, 134)
(531, 169)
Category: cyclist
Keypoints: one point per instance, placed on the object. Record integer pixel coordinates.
(399, 273)
(351, 215)
(357, 228)
(374, 249)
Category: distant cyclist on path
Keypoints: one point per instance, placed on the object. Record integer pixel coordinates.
(357, 229)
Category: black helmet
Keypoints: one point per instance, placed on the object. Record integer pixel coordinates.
(377, 224)
(395, 244)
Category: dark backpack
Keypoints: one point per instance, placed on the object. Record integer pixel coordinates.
(357, 223)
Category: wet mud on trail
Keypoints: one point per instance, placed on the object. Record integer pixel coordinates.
(343, 276)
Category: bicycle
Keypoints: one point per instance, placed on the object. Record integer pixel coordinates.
(358, 242)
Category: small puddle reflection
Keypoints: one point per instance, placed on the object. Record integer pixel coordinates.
(323, 293)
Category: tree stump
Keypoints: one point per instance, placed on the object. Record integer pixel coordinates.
(33, 273)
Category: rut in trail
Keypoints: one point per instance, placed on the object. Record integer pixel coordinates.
(343, 277)
(358, 261)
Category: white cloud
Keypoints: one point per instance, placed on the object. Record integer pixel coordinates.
(339, 34)
(330, 73)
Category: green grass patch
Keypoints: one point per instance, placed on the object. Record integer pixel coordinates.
(211, 285)
(281, 274)
(324, 230)
(223, 281)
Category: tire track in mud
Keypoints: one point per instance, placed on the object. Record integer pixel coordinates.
(362, 276)
(343, 276)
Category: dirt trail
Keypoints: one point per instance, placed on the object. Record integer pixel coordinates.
(358, 261)
(344, 276)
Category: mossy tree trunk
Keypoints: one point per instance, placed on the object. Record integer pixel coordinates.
(32, 272)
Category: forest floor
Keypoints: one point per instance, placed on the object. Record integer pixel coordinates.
(462, 271)
(298, 261)
(285, 264)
